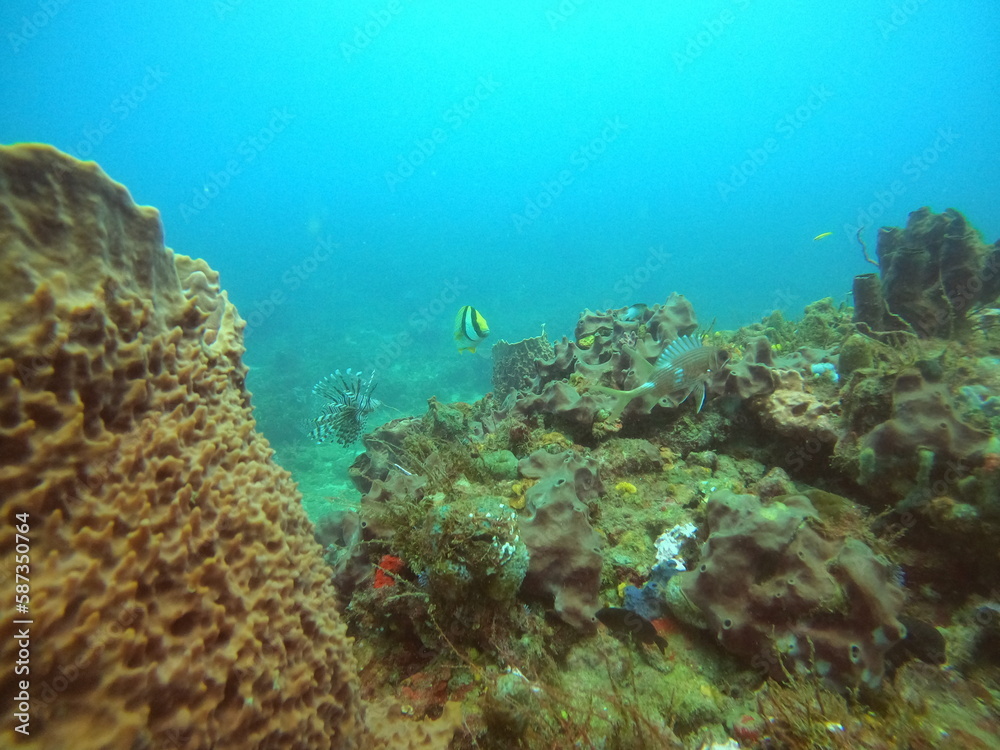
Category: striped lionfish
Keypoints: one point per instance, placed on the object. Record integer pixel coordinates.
(684, 368)
(349, 402)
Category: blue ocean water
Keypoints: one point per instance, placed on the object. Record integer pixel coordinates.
(358, 170)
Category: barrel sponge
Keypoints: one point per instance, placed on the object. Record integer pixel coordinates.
(177, 596)
(514, 364)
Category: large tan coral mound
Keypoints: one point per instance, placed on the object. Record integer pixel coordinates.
(177, 596)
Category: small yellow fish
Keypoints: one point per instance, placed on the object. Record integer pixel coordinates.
(471, 329)
(821, 236)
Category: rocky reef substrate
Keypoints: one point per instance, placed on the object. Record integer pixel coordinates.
(811, 546)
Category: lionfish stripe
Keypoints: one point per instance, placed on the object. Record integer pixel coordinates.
(349, 403)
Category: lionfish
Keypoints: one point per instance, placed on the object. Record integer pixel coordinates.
(349, 402)
(685, 368)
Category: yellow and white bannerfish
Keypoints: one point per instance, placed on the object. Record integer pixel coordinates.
(471, 329)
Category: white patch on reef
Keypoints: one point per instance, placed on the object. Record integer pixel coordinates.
(730, 744)
(825, 368)
(668, 544)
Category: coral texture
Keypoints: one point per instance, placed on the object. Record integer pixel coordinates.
(394, 731)
(778, 587)
(514, 364)
(565, 551)
(923, 441)
(870, 308)
(936, 270)
(382, 444)
(751, 376)
(793, 412)
(177, 596)
(606, 346)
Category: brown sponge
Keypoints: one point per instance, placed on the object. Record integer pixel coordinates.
(177, 596)
(565, 551)
(791, 593)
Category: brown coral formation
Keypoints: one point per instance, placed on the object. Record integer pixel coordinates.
(565, 551)
(793, 412)
(605, 348)
(753, 375)
(176, 593)
(127, 438)
(393, 729)
(934, 271)
(781, 588)
(602, 334)
(514, 364)
(924, 440)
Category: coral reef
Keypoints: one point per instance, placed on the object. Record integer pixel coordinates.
(792, 411)
(870, 308)
(935, 271)
(393, 728)
(530, 570)
(922, 441)
(510, 541)
(177, 597)
(618, 457)
(339, 534)
(782, 588)
(514, 364)
(605, 351)
(652, 486)
(128, 442)
(904, 424)
(464, 554)
(469, 549)
(565, 552)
